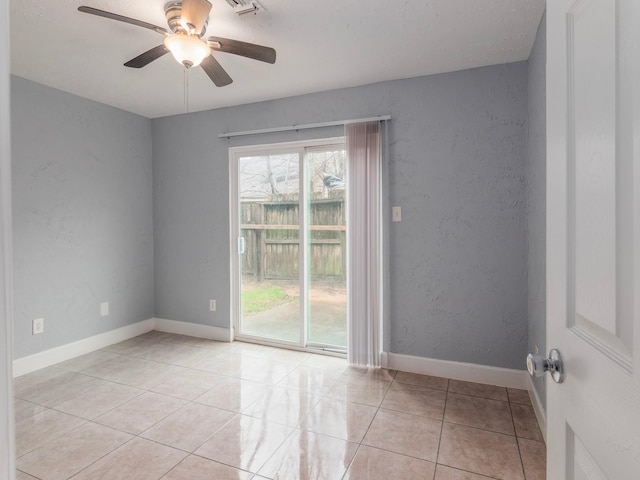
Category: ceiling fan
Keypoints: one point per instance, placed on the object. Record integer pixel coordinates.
(188, 21)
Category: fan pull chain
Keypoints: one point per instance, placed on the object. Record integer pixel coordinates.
(186, 88)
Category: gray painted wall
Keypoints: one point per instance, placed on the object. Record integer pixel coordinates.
(457, 158)
(536, 198)
(83, 229)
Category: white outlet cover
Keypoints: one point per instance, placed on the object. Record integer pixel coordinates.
(37, 326)
(104, 309)
(212, 305)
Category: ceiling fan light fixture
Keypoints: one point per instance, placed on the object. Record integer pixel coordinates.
(188, 50)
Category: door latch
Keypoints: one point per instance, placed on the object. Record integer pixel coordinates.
(537, 365)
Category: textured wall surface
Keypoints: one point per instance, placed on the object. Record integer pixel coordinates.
(536, 199)
(458, 258)
(83, 216)
(457, 158)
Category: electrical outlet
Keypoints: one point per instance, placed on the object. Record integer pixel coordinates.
(37, 326)
(212, 305)
(104, 309)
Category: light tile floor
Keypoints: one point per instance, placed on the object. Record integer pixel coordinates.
(163, 406)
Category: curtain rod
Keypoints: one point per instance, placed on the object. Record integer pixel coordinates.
(304, 127)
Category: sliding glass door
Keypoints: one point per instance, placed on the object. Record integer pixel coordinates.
(289, 232)
(326, 238)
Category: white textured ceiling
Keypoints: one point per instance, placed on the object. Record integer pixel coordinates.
(321, 45)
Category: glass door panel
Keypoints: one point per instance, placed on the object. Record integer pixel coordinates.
(326, 246)
(269, 187)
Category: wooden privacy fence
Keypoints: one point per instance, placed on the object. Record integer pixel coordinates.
(272, 238)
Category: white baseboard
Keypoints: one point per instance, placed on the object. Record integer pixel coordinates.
(538, 407)
(193, 330)
(46, 358)
(468, 372)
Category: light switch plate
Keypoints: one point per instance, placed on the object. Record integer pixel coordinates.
(396, 214)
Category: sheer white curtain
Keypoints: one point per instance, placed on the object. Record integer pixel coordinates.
(364, 280)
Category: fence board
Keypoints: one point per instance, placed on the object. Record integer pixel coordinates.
(271, 233)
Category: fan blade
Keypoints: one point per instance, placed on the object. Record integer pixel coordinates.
(216, 73)
(195, 13)
(147, 57)
(120, 18)
(244, 49)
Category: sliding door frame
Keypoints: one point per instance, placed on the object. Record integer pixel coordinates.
(235, 153)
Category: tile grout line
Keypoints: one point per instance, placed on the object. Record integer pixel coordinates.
(524, 473)
(133, 436)
(444, 411)
(98, 459)
(275, 450)
(468, 471)
(296, 365)
(487, 430)
(360, 444)
(138, 435)
(187, 403)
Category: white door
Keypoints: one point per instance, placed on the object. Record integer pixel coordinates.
(7, 450)
(593, 238)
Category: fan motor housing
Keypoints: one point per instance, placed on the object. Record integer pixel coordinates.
(173, 14)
